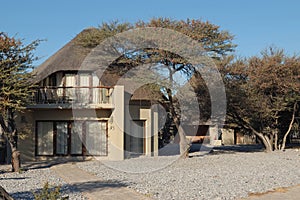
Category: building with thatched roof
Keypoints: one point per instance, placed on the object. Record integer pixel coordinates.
(75, 113)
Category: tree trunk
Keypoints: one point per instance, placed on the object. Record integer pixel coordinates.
(11, 134)
(271, 140)
(15, 161)
(268, 144)
(264, 138)
(4, 195)
(184, 144)
(15, 158)
(276, 140)
(290, 127)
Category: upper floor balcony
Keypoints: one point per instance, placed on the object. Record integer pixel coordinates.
(98, 97)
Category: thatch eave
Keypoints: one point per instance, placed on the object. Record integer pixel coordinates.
(68, 58)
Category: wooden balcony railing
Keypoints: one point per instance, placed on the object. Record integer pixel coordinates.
(69, 95)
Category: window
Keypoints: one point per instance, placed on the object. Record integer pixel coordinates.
(61, 138)
(69, 138)
(96, 91)
(96, 139)
(70, 82)
(76, 137)
(84, 93)
(44, 138)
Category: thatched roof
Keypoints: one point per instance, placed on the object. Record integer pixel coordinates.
(68, 58)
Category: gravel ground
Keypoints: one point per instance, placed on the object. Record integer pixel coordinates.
(22, 185)
(222, 174)
(225, 173)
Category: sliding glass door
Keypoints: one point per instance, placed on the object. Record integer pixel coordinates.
(44, 139)
(62, 137)
(137, 137)
(71, 138)
(96, 138)
(76, 138)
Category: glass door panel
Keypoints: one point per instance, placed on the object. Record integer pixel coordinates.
(96, 139)
(62, 138)
(76, 138)
(44, 138)
(137, 137)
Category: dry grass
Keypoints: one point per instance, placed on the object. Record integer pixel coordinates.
(276, 190)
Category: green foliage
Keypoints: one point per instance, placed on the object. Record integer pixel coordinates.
(16, 64)
(263, 93)
(95, 36)
(217, 43)
(48, 193)
(209, 36)
(16, 72)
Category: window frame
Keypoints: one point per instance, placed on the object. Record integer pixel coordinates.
(83, 141)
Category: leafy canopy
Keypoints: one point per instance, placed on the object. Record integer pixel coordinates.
(16, 72)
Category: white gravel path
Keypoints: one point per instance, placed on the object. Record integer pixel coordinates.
(220, 175)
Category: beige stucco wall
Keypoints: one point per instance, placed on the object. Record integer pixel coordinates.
(227, 136)
(68, 114)
(213, 134)
(118, 121)
(27, 144)
(154, 127)
(116, 126)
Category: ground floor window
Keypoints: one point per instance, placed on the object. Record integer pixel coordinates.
(71, 138)
(45, 138)
(96, 143)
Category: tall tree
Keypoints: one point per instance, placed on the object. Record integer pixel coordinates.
(263, 95)
(216, 42)
(15, 87)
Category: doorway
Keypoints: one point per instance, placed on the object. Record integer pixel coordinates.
(136, 139)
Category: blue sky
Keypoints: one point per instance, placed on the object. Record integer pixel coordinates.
(256, 24)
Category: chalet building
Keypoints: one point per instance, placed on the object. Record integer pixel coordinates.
(74, 113)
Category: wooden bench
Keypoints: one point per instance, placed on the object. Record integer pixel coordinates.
(199, 139)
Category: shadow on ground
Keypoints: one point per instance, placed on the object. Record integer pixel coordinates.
(240, 148)
(206, 149)
(52, 162)
(231, 149)
(197, 150)
(90, 186)
(85, 187)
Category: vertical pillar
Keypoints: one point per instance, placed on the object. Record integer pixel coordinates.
(155, 132)
(116, 129)
(213, 133)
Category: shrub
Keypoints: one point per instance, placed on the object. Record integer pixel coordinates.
(48, 193)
